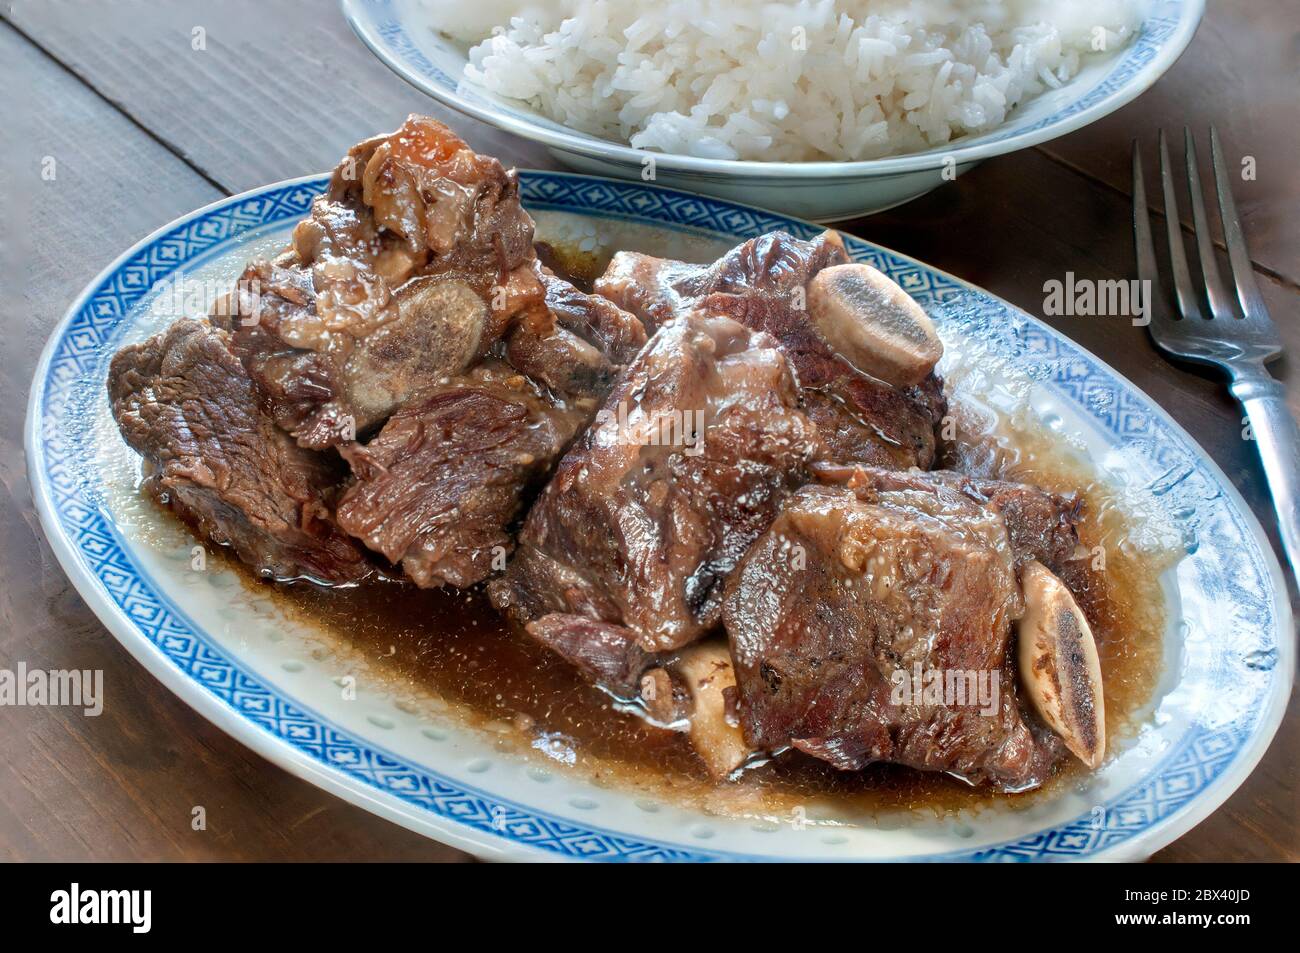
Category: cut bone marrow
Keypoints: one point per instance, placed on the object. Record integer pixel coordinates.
(747, 544)
(436, 334)
(1059, 665)
(874, 324)
(706, 670)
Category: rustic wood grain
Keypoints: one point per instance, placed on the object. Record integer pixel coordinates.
(120, 786)
(281, 90)
(1241, 73)
(1012, 225)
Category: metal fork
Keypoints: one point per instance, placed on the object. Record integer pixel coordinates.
(1241, 346)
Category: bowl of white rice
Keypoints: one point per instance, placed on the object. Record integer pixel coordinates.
(824, 109)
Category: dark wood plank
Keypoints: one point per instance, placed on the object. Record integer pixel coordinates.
(1258, 823)
(282, 88)
(278, 95)
(1016, 223)
(1241, 74)
(261, 120)
(120, 786)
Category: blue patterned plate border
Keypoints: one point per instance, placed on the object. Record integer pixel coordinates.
(1232, 567)
(390, 30)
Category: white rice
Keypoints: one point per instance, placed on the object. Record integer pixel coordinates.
(797, 80)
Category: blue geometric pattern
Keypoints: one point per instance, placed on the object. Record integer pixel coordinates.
(388, 22)
(1155, 32)
(395, 34)
(1230, 566)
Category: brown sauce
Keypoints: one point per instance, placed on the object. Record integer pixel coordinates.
(452, 645)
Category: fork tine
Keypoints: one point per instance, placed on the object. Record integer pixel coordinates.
(1220, 306)
(1243, 272)
(1184, 290)
(1146, 252)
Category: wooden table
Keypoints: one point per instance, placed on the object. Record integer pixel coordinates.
(143, 127)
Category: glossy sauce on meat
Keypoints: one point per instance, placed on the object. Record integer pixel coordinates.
(453, 644)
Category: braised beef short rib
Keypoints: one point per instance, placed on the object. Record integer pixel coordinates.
(763, 284)
(856, 588)
(576, 343)
(690, 457)
(408, 269)
(438, 488)
(742, 447)
(1039, 523)
(212, 456)
(411, 326)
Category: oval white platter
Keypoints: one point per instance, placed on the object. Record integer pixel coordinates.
(274, 683)
(397, 32)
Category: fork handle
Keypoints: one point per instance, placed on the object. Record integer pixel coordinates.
(1275, 433)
